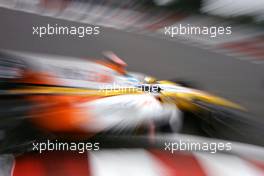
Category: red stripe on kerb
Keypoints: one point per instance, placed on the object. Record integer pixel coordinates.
(180, 164)
(28, 166)
(258, 164)
(52, 164)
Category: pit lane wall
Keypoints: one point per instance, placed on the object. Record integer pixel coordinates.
(135, 16)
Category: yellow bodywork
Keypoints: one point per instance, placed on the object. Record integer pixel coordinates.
(183, 99)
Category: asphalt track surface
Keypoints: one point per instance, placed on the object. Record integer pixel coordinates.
(226, 76)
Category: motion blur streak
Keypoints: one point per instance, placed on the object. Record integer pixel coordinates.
(226, 8)
(146, 18)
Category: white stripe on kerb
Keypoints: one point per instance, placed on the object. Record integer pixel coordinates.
(226, 165)
(120, 162)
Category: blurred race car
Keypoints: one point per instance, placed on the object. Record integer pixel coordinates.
(61, 95)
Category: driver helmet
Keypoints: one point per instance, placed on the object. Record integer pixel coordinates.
(112, 61)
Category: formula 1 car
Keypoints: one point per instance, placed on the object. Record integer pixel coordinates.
(59, 95)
